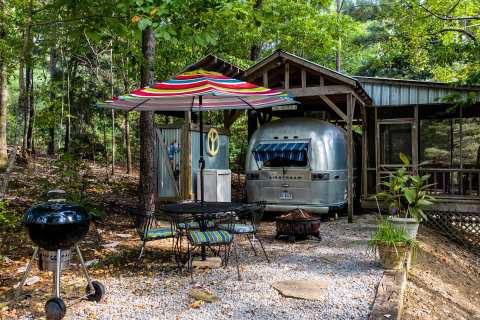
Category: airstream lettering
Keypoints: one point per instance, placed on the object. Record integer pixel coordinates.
(298, 163)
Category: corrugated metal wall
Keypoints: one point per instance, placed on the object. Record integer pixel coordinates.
(165, 184)
(410, 93)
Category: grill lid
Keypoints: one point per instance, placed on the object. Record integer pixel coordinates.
(56, 213)
(56, 225)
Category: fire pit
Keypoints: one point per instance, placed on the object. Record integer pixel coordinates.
(56, 227)
(298, 224)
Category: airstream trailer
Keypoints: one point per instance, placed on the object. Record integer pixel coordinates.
(298, 163)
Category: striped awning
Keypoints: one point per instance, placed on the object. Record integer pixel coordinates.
(200, 90)
(295, 151)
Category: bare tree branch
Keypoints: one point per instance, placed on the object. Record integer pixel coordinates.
(448, 17)
(465, 32)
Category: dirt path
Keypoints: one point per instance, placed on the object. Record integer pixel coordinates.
(445, 282)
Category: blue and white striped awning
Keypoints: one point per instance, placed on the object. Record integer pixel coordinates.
(288, 151)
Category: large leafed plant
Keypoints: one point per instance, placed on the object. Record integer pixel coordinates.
(406, 195)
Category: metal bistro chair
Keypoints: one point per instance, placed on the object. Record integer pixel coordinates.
(150, 228)
(246, 223)
(207, 237)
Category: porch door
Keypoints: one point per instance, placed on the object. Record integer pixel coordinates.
(394, 137)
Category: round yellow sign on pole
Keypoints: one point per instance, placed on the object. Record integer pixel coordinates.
(213, 142)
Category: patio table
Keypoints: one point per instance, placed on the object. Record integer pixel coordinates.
(203, 212)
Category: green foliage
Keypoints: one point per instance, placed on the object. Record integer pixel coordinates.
(74, 174)
(387, 235)
(406, 195)
(9, 220)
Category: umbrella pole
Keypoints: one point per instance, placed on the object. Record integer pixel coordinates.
(201, 162)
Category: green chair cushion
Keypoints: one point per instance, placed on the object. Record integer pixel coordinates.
(160, 233)
(198, 237)
(237, 227)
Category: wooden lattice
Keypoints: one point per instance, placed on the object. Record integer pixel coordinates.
(462, 227)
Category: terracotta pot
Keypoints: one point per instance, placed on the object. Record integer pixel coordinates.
(392, 258)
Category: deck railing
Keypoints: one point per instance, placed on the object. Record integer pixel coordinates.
(454, 182)
(463, 183)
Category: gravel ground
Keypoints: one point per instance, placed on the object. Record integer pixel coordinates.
(340, 259)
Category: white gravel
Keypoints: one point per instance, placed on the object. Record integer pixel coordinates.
(341, 259)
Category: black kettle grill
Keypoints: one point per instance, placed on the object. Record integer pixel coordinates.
(56, 227)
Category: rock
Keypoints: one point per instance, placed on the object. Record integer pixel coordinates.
(22, 269)
(7, 260)
(301, 289)
(30, 281)
(203, 295)
(91, 262)
(123, 235)
(111, 245)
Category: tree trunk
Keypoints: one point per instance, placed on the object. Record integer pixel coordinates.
(23, 78)
(338, 59)
(113, 111)
(147, 174)
(31, 122)
(53, 78)
(3, 99)
(26, 111)
(128, 149)
(255, 50)
(3, 114)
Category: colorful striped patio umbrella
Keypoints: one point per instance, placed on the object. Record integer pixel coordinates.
(200, 90)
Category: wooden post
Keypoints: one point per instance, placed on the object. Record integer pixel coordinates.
(461, 136)
(265, 79)
(350, 157)
(415, 129)
(251, 123)
(287, 76)
(364, 152)
(186, 158)
(377, 152)
(304, 78)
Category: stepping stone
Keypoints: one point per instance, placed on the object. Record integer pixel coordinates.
(302, 289)
(203, 295)
(208, 263)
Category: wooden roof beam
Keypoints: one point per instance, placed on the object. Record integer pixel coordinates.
(334, 107)
(320, 90)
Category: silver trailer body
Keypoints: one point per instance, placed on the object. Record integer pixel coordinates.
(316, 183)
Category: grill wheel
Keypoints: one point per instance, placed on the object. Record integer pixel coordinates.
(55, 309)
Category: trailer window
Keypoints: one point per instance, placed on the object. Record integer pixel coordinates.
(281, 162)
(290, 154)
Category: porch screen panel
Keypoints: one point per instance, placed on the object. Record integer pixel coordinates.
(471, 143)
(395, 139)
(437, 143)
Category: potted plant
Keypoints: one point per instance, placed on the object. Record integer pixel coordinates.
(393, 245)
(406, 198)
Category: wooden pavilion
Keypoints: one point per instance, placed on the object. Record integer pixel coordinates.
(393, 116)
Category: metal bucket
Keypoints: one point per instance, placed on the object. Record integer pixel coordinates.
(48, 259)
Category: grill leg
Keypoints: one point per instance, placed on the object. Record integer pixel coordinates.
(25, 274)
(84, 269)
(57, 275)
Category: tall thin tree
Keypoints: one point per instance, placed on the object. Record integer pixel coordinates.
(3, 94)
(147, 175)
